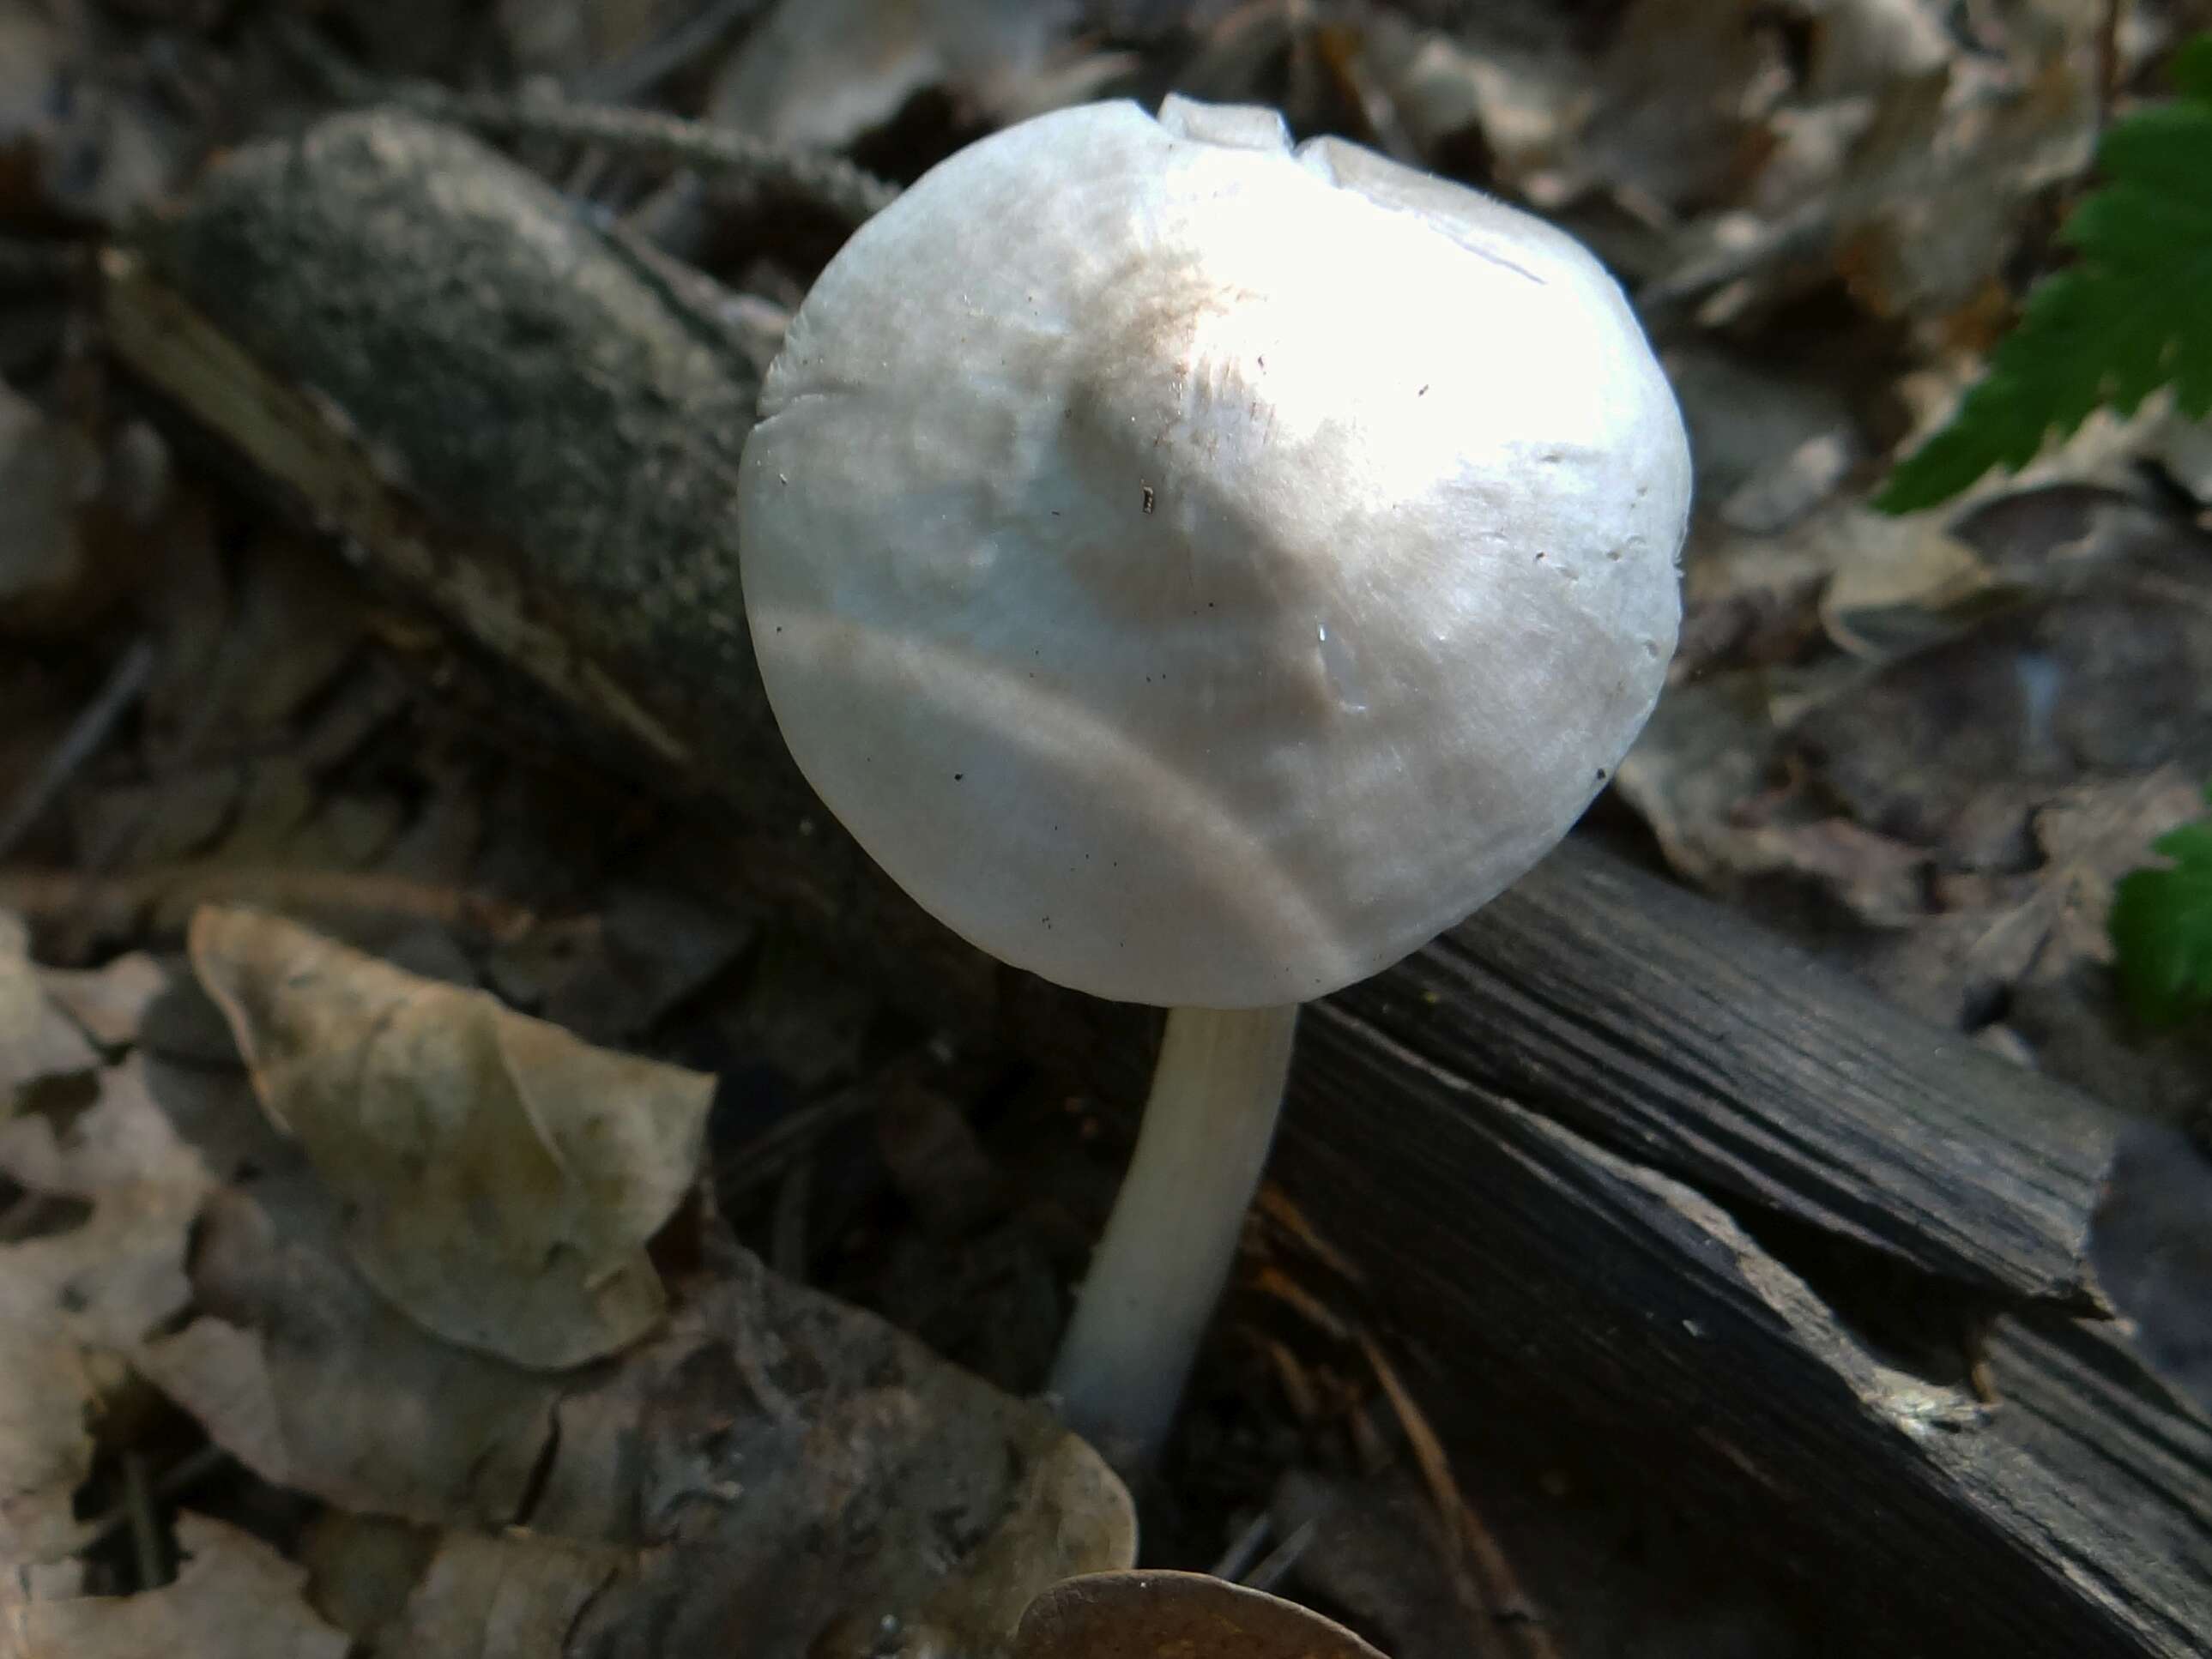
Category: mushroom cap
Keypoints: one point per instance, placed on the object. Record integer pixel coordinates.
(1201, 571)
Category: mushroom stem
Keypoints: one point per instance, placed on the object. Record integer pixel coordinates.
(1172, 1239)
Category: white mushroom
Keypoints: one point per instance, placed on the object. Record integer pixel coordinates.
(1201, 571)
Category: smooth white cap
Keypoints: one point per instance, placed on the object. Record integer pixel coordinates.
(1201, 571)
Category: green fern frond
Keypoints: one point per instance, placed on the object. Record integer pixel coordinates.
(2131, 315)
(2161, 928)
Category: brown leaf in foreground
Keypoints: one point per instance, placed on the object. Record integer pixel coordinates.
(107, 1004)
(774, 1464)
(310, 1380)
(109, 1194)
(404, 1590)
(1165, 1615)
(37, 1042)
(236, 1598)
(788, 1467)
(501, 1176)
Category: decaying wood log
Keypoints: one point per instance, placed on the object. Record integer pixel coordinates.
(2074, 1516)
(1605, 1153)
(1686, 1038)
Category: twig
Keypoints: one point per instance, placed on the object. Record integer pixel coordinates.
(1245, 1548)
(1499, 1600)
(63, 894)
(851, 192)
(126, 683)
(833, 183)
(1284, 1556)
(174, 1481)
(768, 1154)
(145, 1524)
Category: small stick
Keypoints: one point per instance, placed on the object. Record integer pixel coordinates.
(1245, 1548)
(1499, 1596)
(145, 1525)
(1284, 1556)
(768, 1154)
(89, 734)
(174, 1481)
(39, 894)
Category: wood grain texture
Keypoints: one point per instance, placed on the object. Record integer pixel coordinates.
(1540, 1276)
(1686, 1038)
(1607, 1155)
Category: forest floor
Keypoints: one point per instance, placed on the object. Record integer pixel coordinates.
(258, 1391)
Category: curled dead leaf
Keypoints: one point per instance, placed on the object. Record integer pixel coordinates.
(235, 1598)
(780, 1464)
(501, 1176)
(399, 1589)
(1177, 1615)
(109, 1195)
(37, 1044)
(107, 1004)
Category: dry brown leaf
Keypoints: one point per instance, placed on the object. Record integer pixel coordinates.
(108, 1003)
(362, 1568)
(37, 1042)
(807, 1466)
(611, 976)
(1906, 166)
(81, 133)
(930, 1507)
(1703, 754)
(21, 1585)
(780, 1465)
(1953, 747)
(1681, 92)
(46, 1452)
(1526, 102)
(235, 1598)
(1167, 1615)
(402, 1591)
(1897, 594)
(74, 1302)
(1934, 201)
(821, 73)
(313, 1382)
(1780, 495)
(501, 1176)
(1069, 1515)
(2036, 944)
